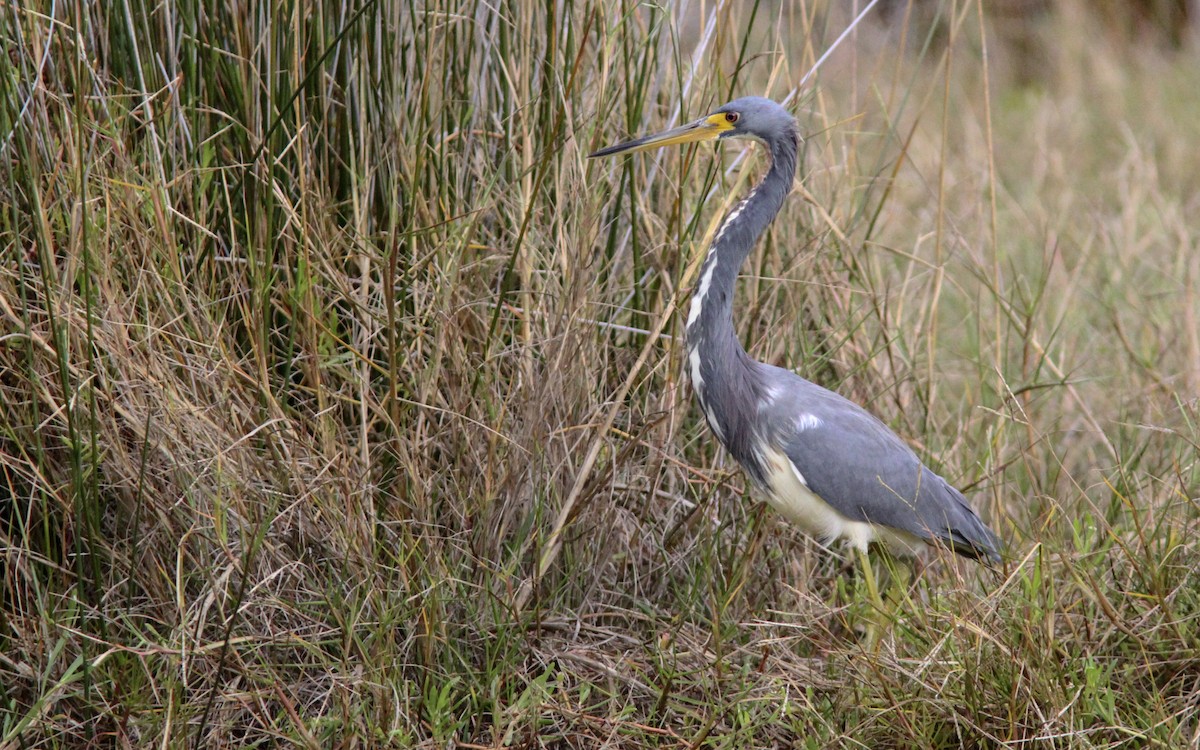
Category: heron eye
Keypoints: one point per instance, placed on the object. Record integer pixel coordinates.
(731, 117)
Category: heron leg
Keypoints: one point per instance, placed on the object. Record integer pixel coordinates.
(877, 616)
(886, 580)
(869, 579)
(900, 575)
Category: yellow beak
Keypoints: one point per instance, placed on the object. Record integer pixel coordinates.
(704, 129)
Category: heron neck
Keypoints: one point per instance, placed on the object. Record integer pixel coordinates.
(710, 317)
(724, 378)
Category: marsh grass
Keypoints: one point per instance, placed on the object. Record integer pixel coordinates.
(342, 401)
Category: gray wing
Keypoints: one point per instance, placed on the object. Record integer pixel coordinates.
(854, 462)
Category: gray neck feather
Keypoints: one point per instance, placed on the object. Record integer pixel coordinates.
(725, 379)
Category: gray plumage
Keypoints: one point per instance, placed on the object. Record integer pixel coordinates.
(824, 462)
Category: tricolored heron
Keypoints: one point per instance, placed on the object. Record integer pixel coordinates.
(825, 463)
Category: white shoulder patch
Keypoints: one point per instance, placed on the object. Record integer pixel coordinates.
(808, 421)
(769, 397)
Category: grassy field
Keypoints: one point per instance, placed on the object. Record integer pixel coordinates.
(342, 400)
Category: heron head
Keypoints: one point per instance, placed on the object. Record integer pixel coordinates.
(748, 117)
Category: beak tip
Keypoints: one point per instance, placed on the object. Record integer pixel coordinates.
(610, 150)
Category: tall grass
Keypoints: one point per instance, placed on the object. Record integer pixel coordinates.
(342, 399)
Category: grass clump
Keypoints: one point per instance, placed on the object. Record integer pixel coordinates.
(341, 398)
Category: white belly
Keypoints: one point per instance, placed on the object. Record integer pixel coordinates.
(790, 495)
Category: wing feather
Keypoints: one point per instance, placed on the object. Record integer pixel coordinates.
(856, 464)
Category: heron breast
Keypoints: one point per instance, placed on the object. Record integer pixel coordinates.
(789, 493)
